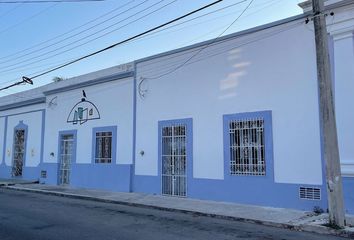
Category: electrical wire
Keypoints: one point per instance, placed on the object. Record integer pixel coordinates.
(188, 52)
(215, 52)
(47, 66)
(27, 19)
(206, 46)
(129, 39)
(11, 10)
(143, 37)
(51, 1)
(118, 43)
(190, 42)
(11, 67)
(194, 50)
(228, 6)
(18, 57)
(15, 56)
(82, 38)
(226, 29)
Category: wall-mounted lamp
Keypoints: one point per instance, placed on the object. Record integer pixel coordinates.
(142, 152)
(51, 154)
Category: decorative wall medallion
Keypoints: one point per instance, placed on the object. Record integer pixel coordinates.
(83, 111)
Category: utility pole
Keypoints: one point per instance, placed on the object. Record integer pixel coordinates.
(328, 119)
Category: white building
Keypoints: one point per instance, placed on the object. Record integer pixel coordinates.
(239, 122)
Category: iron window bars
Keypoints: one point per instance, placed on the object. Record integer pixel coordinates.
(247, 150)
(103, 153)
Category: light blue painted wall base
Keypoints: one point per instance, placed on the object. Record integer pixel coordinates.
(52, 173)
(31, 173)
(255, 193)
(147, 184)
(112, 177)
(348, 192)
(28, 173)
(239, 190)
(5, 171)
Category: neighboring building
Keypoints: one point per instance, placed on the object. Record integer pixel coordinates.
(239, 122)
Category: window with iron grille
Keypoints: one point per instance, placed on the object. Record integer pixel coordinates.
(247, 147)
(103, 153)
(18, 152)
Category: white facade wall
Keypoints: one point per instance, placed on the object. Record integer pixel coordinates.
(114, 101)
(2, 135)
(272, 73)
(267, 70)
(32, 117)
(342, 31)
(344, 88)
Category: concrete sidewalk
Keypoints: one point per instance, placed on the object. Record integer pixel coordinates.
(13, 181)
(277, 217)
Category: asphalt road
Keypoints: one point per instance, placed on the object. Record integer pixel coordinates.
(34, 216)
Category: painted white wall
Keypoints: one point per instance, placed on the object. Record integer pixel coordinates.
(114, 101)
(342, 30)
(22, 110)
(344, 96)
(2, 134)
(33, 145)
(273, 73)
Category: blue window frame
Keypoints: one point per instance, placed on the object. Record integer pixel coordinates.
(248, 144)
(104, 142)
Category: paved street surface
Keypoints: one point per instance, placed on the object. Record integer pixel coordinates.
(26, 215)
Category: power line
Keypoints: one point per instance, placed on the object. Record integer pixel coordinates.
(14, 68)
(11, 69)
(218, 51)
(28, 18)
(214, 52)
(201, 49)
(122, 42)
(192, 19)
(11, 66)
(143, 37)
(51, 1)
(272, 2)
(46, 66)
(177, 55)
(10, 11)
(52, 63)
(12, 55)
(24, 81)
(72, 36)
(232, 48)
(129, 39)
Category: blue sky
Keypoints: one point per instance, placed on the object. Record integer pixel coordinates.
(32, 37)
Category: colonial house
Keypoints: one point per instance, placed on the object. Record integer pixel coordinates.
(238, 122)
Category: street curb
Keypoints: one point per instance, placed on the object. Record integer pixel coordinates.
(4, 184)
(300, 228)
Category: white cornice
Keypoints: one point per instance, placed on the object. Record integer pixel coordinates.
(347, 169)
(343, 34)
